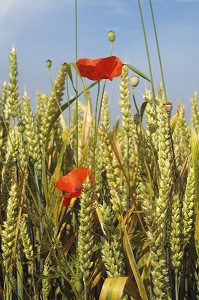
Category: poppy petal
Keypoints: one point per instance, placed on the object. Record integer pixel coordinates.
(66, 184)
(66, 200)
(86, 67)
(117, 70)
(100, 68)
(111, 66)
(72, 183)
(80, 175)
(72, 180)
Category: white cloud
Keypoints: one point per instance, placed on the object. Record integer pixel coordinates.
(16, 14)
(5, 7)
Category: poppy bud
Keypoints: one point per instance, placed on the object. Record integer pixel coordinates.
(168, 106)
(134, 81)
(49, 63)
(136, 119)
(21, 127)
(111, 36)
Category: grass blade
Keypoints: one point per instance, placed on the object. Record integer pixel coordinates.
(134, 268)
(132, 68)
(114, 288)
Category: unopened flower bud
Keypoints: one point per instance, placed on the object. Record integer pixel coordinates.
(134, 81)
(21, 127)
(49, 63)
(136, 119)
(111, 36)
(168, 106)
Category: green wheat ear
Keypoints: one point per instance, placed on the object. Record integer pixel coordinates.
(175, 233)
(111, 249)
(195, 159)
(32, 133)
(28, 248)
(188, 207)
(181, 138)
(45, 283)
(128, 137)
(128, 133)
(85, 232)
(13, 104)
(158, 236)
(9, 231)
(10, 161)
(105, 112)
(112, 174)
(195, 112)
(53, 105)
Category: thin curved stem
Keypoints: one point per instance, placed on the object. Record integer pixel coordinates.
(103, 89)
(96, 125)
(158, 49)
(147, 49)
(76, 101)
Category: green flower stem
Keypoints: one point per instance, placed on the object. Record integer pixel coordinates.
(96, 124)
(76, 101)
(103, 89)
(75, 217)
(158, 49)
(147, 50)
(111, 50)
(97, 121)
(136, 107)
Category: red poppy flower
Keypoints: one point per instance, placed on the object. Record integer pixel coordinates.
(72, 183)
(100, 68)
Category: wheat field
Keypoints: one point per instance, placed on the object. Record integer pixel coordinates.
(133, 231)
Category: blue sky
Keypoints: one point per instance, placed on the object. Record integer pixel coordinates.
(45, 29)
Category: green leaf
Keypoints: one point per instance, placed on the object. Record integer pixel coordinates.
(132, 68)
(134, 267)
(114, 288)
(174, 121)
(75, 67)
(142, 109)
(69, 72)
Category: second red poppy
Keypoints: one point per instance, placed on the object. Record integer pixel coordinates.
(72, 183)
